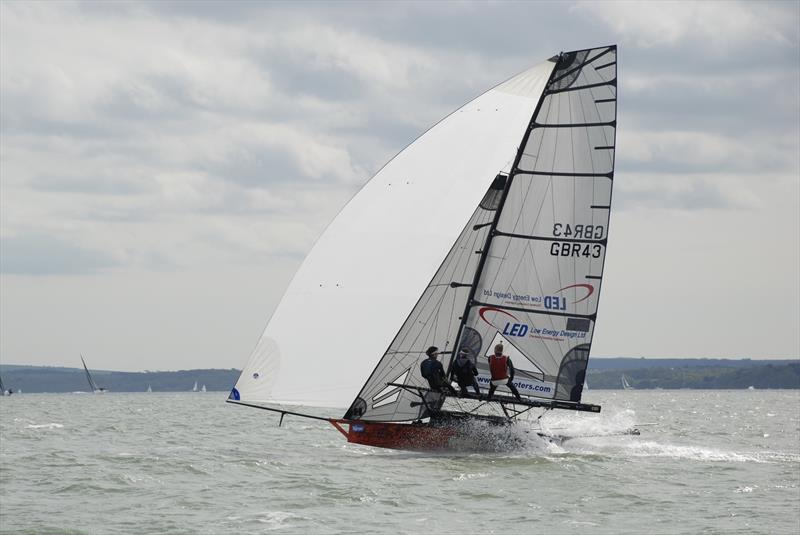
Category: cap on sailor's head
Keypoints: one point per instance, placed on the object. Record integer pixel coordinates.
(431, 350)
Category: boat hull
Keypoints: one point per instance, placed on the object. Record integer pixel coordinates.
(446, 431)
(399, 436)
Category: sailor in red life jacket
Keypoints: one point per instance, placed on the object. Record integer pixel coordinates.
(502, 372)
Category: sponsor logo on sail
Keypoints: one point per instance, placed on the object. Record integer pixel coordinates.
(509, 329)
(559, 302)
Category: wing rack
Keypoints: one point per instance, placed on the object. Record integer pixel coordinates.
(507, 400)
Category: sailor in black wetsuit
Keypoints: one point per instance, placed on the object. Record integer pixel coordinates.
(432, 370)
(465, 372)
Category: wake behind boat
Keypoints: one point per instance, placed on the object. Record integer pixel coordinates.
(505, 204)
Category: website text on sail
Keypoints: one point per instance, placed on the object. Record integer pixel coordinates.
(529, 167)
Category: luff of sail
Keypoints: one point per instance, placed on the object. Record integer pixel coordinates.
(541, 243)
(364, 275)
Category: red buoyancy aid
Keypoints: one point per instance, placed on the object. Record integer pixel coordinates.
(499, 367)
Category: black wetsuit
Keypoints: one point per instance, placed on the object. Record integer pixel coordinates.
(432, 370)
(465, 372)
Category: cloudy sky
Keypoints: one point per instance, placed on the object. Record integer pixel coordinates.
(164, 167)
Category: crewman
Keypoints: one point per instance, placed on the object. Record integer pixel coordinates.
(432, 370)
(465, 372)
(502, 370)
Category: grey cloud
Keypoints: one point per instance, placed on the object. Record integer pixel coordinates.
(294, 76)
(256, 167)
(699, 195)
(97, 185)
(43, 254)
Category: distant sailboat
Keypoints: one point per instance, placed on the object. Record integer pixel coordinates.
(3, 389)
(203, 389)
(625, 384)
(194, 388)
(96, 389)
(149, 390)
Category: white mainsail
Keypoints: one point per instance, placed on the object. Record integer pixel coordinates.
(527, 267)
(356, 286)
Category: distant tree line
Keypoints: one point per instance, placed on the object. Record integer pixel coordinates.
(786, 375)
(34, 379)
(603, 373)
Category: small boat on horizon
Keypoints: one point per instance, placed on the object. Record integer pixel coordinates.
(95, 389)
(3, 389)
(625, 384)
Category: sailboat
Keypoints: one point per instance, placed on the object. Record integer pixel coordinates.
(625, 384)
(203, 388)
(491, 228)
(3, 389)
(194, 388)
(95, 389)
(149, 389)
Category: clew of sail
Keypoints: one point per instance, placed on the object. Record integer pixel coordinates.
(537, 290)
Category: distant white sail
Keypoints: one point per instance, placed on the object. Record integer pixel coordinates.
(194, 388)
(625, 384)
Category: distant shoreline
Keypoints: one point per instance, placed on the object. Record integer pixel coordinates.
(602, 374)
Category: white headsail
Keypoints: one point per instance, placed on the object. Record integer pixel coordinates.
(357, 285)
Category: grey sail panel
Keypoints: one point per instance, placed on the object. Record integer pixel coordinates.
(539, 287)
(434, 321)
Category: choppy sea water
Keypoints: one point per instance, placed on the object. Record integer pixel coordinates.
(714, 462)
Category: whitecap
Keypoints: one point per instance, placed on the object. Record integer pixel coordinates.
(45, 426)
